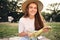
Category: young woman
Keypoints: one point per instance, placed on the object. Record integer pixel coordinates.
(32, 20)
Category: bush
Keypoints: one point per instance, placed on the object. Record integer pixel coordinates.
(57, 19)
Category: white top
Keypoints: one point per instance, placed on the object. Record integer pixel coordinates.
(26, 24)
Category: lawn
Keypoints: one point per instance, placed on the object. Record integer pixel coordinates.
(11, 29)
(8, 29)
(54, 34)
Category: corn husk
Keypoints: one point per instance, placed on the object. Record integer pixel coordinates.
(37, 33)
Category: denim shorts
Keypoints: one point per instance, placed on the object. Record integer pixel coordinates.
(27, 38)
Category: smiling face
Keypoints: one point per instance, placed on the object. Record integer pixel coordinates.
(32, 9)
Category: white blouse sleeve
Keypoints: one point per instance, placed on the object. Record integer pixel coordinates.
(20, 26)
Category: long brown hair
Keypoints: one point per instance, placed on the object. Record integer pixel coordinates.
(38, 20)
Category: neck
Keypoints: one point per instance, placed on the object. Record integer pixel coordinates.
(31, 17)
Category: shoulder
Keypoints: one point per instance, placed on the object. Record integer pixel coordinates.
(22, 19)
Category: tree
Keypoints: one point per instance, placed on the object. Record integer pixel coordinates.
(54, 7)
(3, 10)
(12, 6)
(7, 7)
(55, 10)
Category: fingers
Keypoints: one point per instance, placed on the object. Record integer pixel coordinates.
(46, 29)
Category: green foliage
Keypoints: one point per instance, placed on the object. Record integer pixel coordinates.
(3, 10)
(57, 19)
(6, 7)
(47, 16)
(55, 11)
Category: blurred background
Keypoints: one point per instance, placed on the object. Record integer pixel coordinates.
(10, 13)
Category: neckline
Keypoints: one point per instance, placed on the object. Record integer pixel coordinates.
(31, 19)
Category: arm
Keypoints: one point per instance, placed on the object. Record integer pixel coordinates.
(21, 29)
(46, 28)
(22, 34)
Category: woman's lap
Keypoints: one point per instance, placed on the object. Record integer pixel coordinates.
(27, 38)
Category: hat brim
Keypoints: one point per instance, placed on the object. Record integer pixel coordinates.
(39, 3)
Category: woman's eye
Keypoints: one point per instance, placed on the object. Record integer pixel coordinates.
(35, 7)
(30, 7)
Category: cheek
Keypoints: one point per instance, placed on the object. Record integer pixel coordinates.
(36, 11)
(32, 11)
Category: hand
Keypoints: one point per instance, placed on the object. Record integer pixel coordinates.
(46, 29)
(22, 34)
(29, 34)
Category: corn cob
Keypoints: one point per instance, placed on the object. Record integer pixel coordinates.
(36, 34)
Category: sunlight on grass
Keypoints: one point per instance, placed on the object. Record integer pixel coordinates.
(11, 29)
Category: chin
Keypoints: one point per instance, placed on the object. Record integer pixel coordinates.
(32, 14)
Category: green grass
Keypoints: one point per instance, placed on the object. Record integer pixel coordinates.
(54, 34)
(8, 29)
(11, 29)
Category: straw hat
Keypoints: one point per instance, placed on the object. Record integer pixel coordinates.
(39, 3)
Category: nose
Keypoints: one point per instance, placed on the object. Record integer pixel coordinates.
(33, 9)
